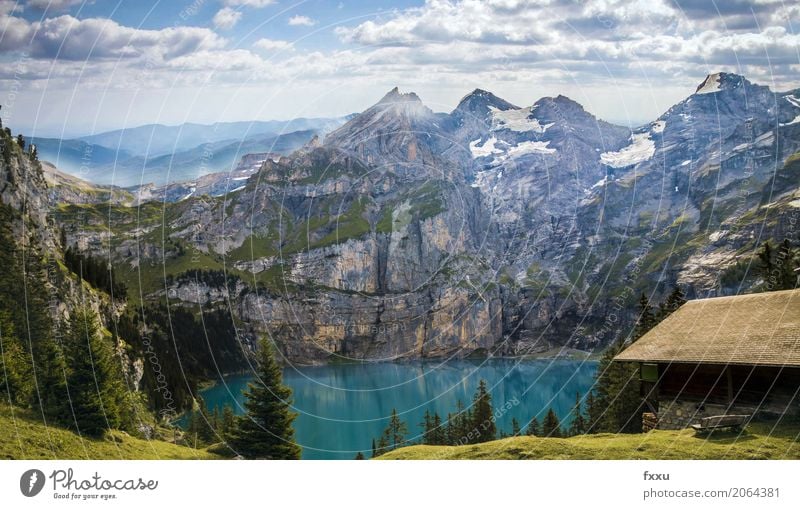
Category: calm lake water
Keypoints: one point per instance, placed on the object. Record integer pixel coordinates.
(343, 407)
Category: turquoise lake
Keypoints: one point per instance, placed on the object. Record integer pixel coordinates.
(341, 408)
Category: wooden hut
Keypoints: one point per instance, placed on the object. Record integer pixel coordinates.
(724, 355)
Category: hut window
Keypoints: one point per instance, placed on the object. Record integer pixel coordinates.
(648, 372)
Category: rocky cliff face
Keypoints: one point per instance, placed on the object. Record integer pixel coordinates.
(492, 230)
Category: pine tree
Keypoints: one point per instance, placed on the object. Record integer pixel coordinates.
(15, 377)
(384, 442)
(674, 300)
(192, 429)
(434, 432)
(593, 412)
(533, 430)
(765, 257)
(393, 436)
(266, 429)
(785, 261)
(51, 398)
(438, 433)
(618, 394)
(646, 320)
(459, 425)
(359, 456)
(427, 428)
(228, 420)
(551, 426)
(397, 431)
(92, 387)
(515, 429)
(578, 424)
(206, 426)
(483, 425)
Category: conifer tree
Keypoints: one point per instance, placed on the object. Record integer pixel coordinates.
(397, 431)
(459, 424)
(674, 300)
(593, 412)
(205, 422)
(51, 396)
(515, 429)
(427, 428)
(228, 420)
(578, 424)
(617, 386)
(266, 429)
(551, 426)
(14, 365)
(765, 257)
(785, 259)
(359, 455)
(533, 429)
(482, 415)
(92, 387)
(192, 429)
(438, 433)
(394, 435)
(384, 442)
(645, 318)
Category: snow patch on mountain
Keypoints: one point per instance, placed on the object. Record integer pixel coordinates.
(795, 120)
(488, 148)
(658, 126)
(710, 85)
(642, 148)
(601, 183)
(516, 120)
(530, 147)
(796, 103)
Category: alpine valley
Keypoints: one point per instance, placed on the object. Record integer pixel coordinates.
(403, 233)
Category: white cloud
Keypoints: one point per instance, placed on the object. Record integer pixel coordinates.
(226, 18)
(9, 6)
(272, 44)
(302, 21)
(217, 61)
(256, 4)
(610, 55)
(68, 38)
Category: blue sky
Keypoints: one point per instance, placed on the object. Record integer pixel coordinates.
(69, 67)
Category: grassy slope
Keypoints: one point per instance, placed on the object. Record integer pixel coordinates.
(759, 441)
(25, 437)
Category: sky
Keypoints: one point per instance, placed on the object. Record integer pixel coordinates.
(73, 67)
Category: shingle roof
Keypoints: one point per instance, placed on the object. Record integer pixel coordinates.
(758, 329)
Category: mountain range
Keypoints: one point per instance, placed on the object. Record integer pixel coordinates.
(160, 155)
(490, 230)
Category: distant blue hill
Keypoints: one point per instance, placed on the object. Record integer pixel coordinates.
(154, 139)
(102, 165)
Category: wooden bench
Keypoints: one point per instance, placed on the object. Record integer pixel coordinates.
(721, 422)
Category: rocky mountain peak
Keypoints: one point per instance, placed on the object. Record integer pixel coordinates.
(479, 102)
(395, 96)
(314, 142)
(720, 81)
(560, 109)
